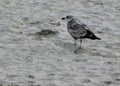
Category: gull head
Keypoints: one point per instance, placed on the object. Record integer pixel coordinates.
(68, 18)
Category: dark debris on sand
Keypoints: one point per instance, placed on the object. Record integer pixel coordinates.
(46, 33)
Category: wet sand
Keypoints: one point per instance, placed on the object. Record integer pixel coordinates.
(29, 60)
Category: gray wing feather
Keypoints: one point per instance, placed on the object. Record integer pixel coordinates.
(77, 30)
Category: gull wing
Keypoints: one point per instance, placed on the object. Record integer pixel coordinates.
(77, 30)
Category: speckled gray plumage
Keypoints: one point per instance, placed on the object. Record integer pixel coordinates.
(76, 28)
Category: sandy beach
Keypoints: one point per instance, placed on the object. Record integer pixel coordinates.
(30, 60)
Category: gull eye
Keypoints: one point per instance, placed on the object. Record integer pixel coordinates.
(67, 17)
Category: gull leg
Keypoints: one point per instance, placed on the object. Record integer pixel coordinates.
(80, 43)
(75, 42)
(79, 48)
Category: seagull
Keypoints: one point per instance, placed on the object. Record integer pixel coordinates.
(78, 29)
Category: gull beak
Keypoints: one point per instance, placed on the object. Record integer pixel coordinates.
(63, 18)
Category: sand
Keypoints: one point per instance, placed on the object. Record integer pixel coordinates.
(29, 60)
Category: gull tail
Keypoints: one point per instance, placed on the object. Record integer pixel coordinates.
(91, 35)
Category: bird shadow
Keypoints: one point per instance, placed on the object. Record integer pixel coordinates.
(79, 50)
(72, 47)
